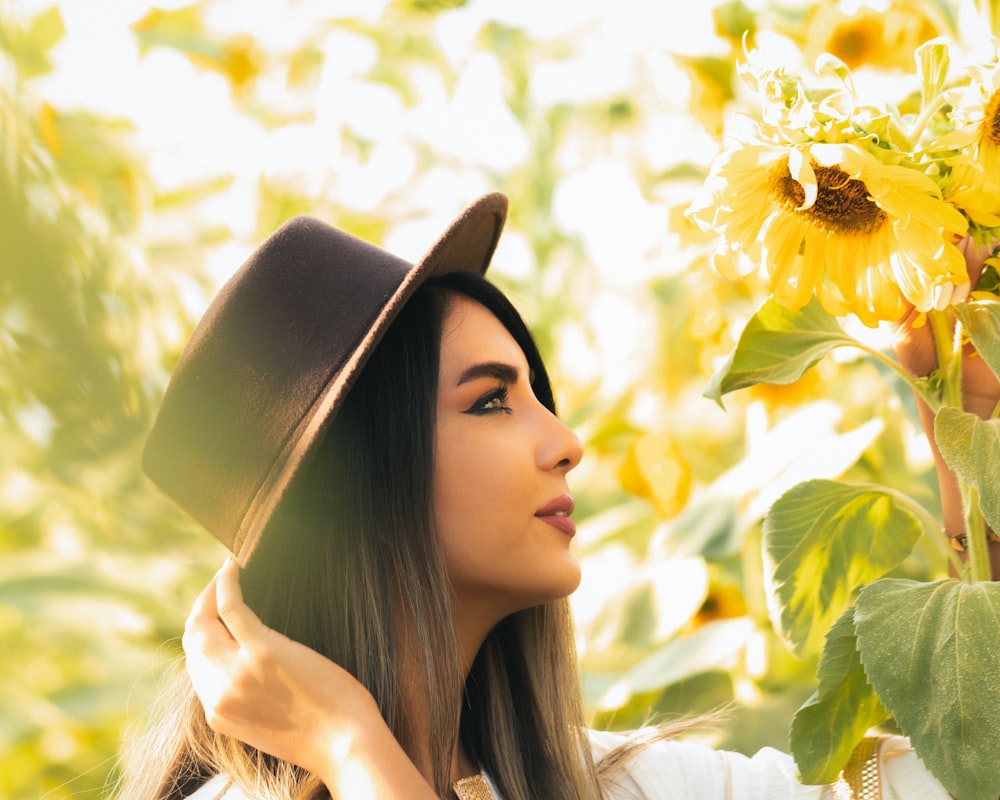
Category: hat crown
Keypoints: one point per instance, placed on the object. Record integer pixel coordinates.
(274, 355)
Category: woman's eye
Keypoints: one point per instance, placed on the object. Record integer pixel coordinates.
(491, 403)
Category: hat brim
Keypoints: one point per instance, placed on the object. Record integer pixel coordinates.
(467, 245)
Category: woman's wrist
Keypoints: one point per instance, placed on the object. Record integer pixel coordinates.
(364, 760)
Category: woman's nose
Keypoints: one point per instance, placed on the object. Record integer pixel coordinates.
(562, 448)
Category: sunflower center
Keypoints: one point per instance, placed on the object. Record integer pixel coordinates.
(843, 204)
(991, 120)
(856, 43)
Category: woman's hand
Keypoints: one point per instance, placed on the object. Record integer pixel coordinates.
(261, 687)
(287, 700)
(914, 347)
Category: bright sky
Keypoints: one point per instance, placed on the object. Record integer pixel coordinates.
(184, 116)
(187, 125)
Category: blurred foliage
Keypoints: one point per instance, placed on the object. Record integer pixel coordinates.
(88, 593)
(103, 271)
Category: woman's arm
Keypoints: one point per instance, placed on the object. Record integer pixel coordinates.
(287, 700)
(980, 394)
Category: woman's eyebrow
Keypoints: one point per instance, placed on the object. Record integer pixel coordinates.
(497, 370)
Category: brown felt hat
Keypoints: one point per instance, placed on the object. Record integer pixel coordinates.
(274, 355)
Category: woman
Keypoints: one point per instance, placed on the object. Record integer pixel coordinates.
(377, 444)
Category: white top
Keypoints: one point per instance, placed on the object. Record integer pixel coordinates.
(673, 770)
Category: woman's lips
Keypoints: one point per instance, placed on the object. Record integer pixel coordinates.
(557, 514)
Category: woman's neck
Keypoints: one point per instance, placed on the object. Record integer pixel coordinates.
(470, 632)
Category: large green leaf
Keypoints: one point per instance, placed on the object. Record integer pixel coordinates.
(971, 447)
(778, 346)
(829, 724)
(981, 321)
(930, 650)
(823, 540)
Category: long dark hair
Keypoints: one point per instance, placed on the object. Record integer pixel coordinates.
(354, 537)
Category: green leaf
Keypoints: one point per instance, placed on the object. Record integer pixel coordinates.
(829, 724)
(778, 346)
(933, 60)
(971, 447)
(707, 527)
(823, 540)
(181, 29)
(712, 72)
(639, 605)
(981, 321)
(733, 19)
(431, 6)
(712, 646)
(828, 64)
(930, 650)
(29, 43)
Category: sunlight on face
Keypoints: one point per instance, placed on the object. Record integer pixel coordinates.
(501, 500)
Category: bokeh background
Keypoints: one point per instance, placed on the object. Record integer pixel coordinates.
(145, 149)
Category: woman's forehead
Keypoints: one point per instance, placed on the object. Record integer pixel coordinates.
(471, 333)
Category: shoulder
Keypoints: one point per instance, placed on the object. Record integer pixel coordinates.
(669, 769)
(662, 769)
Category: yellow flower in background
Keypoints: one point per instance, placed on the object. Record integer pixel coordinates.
(657, 469)
(833, 221)
(868, 37)
(48, 129)
(238, 58)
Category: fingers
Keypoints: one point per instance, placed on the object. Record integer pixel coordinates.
(243, 624)
(204, 607)
(217, 614)
(975, 257)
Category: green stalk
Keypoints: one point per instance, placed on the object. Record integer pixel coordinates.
(948, 345)
(949, 357)
(917, 129)
(979, 556)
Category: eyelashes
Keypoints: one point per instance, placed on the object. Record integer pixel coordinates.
(493, 402)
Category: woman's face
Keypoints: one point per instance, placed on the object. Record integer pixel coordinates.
(501, 500)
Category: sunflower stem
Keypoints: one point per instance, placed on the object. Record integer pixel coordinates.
(975, 525)
(917, 130)
(900, 135)
(948, 344)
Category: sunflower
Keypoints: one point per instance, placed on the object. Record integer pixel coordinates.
(968, 187)
(833, 221)
(871, 37)
(975, 119)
